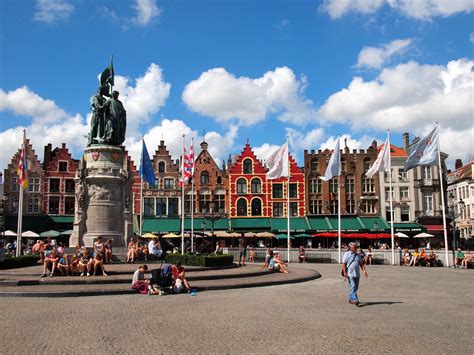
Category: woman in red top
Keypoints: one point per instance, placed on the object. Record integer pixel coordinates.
(179, 273)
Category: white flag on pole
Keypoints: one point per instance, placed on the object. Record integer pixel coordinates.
(278, 163)
(424, 152)
(382, 161)
(334, 165)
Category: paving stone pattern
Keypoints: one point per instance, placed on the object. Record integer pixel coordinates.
(422, 310)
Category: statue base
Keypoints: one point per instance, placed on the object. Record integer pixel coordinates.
(103, 197)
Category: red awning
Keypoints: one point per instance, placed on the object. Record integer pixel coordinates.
(353, 235)
(434, 227)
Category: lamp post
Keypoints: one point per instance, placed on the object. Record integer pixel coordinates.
(212, 217)
(452, 213)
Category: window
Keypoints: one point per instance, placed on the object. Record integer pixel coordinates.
(54, 185)
(404, 193)
(368, 185)
(256, 207)
(315, 186)
(241, 186)
(219, 202)
(426, 172)
(403, 175)
(62, 166)
(387, 176)
(314, 166)
(169, 184)
(187, 203)
(388, 215)
(277, 209)
(33, 184)
(368, 206)
(33, 205)
(54, 205)
(277, 190)
(387, 194)
(242, 207)
(160, 204)
(256, 186)
(428, 204)
(333, 207)
(69, 205)
(14, 186)
(173, 209)
(333, 185)
(247, 166)
(204, 178)
(350, 205)
(293, 209)
(148, 204)
(219, 180)
(293, 190)
(366, 164)
(405, 213)
(161, 167)
(204, 202)
(350, 185)
(69, 185)
(343, 165)
(14, 204)
(316, 207)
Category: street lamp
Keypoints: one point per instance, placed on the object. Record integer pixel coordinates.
(453, 215)
(212, 217)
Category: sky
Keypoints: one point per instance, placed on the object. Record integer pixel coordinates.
(236, 71)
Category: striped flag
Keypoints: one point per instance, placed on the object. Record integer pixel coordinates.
(188, 166)
(21, 171)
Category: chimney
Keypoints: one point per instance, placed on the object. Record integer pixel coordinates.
(406, 141)
(204, 145)
(458, 164)
(63, 145)
(47, 155)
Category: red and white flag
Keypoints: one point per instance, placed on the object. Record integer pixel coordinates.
(188, 166)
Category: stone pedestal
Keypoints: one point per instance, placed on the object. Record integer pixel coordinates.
(103, 197)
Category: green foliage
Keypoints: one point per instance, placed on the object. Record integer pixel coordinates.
(21, 261)
(200, 260)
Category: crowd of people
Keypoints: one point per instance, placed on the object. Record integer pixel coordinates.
(136, 248)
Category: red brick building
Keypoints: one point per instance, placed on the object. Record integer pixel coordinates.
(252, 195)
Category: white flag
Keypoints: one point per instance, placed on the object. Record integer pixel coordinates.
(278, 164)
(382, 161)
(334, 165)
(424, 152)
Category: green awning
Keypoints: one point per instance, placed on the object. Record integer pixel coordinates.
(304, 235)
(375, 224)
(161, 225)
(283, 236)
(319, 224)
(219, 224)
(62, 219)
(252, 224)
(297, 225)
(348, 224)
(409, 227)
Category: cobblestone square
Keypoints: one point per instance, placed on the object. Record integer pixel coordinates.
(405, 310)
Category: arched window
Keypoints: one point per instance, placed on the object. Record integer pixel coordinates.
(204, 178)
(241, 186)
(256, 186)
(247, 166)
(256, 207)
(161, 167)
(242, 207)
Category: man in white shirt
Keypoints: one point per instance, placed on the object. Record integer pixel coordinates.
(154, 248)
(351, 262)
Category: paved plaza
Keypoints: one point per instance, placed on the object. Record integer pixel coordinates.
(405, 310)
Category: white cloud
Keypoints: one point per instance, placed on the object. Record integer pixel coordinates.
(282, 24)
(409, 97)
(264, 151)
(147, 11)
(418, 9)
(52, 11)
(471, 37)
(346, 139)
(376, 57)
(246, 101)
(300, 141)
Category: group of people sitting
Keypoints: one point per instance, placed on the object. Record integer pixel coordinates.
(165, 280)
(273, 262)
(419, 257)
(136, 248)
(462, 260)
(82, 262)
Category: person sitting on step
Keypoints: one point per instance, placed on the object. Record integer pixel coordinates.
(132, 251)
(51, 260)
(179, 274)
(63, 265)
(98, 264)
(154, 248)
(139, 282)
(85, 263)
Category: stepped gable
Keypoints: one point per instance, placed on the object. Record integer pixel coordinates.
(247, 152)
(136, 187)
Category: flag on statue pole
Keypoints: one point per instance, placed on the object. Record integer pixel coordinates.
(278, 164)
(424, 152)
(382, 162)
(21, 170)
(334, 165)
(146, 171)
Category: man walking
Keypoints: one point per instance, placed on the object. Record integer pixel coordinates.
(351, 262)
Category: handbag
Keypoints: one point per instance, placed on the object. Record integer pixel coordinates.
(347, 267)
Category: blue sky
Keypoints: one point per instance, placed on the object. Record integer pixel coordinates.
(238, 70)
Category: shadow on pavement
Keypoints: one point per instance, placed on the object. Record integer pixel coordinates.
(364, 304)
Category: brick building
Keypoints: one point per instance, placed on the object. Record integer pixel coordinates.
(359, 195)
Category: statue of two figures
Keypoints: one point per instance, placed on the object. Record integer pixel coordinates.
(109, 118)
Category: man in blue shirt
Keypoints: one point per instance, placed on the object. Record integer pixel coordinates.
(351, 263)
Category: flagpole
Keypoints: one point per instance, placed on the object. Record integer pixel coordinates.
(182, 199)
(392, 238)
(141, 191)
(442, 200)
(192, 202)
(288, 198)
(339, 240)
(20, 199)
